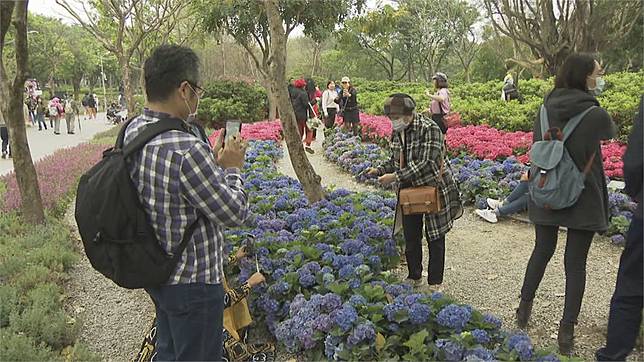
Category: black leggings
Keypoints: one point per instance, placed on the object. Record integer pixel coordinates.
(577, 246)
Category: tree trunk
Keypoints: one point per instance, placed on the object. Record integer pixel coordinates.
(76, 83)
(305, 173)
(127, 86)
(12, 110)
(142, 83)
(272, 100)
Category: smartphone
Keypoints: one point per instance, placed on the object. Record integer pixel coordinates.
(233, 129)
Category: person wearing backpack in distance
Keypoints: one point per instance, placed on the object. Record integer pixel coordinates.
(180, 182)
(567, 185)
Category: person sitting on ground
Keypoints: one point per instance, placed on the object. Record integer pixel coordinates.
(515, 203)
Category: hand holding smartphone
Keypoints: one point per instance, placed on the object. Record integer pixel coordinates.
(233, 129)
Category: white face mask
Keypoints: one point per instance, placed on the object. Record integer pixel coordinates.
(192, 115)
(398, 124)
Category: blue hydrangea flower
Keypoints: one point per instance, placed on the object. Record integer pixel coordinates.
(454, 316)
(357, 300)
(481, 336)
(548, 358)
(331, 302)
(393, 309)
(364, 332)
(330, 344)
(453, 351)
(355, 283)
(419, 313)
(521, 343)
(479, 354)
(493, 320)
(345, 317)
(346, 272)
(307, 280)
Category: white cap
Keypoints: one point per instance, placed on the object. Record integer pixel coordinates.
(346, 79)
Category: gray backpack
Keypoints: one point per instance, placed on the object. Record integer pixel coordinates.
(555, 181)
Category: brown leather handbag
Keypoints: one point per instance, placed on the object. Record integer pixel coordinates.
(421, 199)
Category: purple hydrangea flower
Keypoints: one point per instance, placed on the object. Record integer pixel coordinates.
(362, 333)
(419, 313)
(345, 317)
(453, 350)
(479, 354)
(522, 345)
(493, 320)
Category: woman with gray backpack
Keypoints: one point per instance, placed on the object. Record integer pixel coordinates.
(567, 185)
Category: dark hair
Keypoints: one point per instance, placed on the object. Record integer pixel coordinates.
(329, 82)
(441, 83)
(167, 68)
(574, 72)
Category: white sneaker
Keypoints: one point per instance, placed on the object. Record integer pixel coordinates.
(494, 204)
(488, 215)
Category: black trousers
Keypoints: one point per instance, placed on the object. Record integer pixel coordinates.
(577, 246)
(329, 121)
(626, 305)
(413, 230)
(4, 135)
(440, 121)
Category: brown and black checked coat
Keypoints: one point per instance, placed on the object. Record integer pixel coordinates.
(424, 151)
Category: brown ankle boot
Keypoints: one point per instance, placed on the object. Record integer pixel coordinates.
(565, 338)
(523, 313)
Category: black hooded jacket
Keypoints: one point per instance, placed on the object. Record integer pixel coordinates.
(591, 210)
(633, 163)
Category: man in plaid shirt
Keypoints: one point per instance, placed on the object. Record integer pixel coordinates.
(180, 181)
(420, 143)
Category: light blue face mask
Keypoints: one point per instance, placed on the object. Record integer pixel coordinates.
(600, 83)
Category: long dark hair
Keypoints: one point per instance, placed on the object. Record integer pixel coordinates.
(441, 83)
(574, 72)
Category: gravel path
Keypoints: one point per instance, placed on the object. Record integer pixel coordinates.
(484, 267)
(114, 320)
(485, 264)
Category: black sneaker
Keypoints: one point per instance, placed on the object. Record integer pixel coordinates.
(309, 150)
(70, 132)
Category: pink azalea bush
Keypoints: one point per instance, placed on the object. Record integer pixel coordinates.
(264, 131)
(57, 173)
(489, 143)
(612, 153)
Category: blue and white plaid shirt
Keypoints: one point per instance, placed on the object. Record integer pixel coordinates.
(178, 179)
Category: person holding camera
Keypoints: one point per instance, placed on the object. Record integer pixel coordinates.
(419, 159)
(348, 101)
(186, 188)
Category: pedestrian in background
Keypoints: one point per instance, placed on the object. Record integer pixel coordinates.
(329, 107)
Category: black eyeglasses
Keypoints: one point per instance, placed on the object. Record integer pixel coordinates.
(198, 90)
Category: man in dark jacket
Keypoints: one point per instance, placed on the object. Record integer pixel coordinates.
(626, 305)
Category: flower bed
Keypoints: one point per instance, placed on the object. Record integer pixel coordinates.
(328, 292)
(57, 174)
(488, 143)
(266, 130)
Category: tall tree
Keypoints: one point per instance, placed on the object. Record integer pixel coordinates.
(554, 29)
(247, 22)
(376, 34)
(121, 26)
(11, 109)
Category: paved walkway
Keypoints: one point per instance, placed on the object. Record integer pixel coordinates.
(43, 143)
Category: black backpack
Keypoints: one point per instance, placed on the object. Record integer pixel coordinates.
(118, 240)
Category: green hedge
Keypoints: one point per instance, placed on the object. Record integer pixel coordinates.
(480, 103)
(226, 100)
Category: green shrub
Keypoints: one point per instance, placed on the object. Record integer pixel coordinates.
(44, 324)
(9, 302)
(480, 103)
(224, 100)
(18, 347)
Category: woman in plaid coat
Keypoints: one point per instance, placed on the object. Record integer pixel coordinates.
(423, 153)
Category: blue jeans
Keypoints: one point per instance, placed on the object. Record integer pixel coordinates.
(189, 321)
(517, 201)
(626, 305)
(40, 118)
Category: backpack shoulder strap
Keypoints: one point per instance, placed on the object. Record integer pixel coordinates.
(543, 116)
(121, 136)
(152, 130)
(574, 122)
